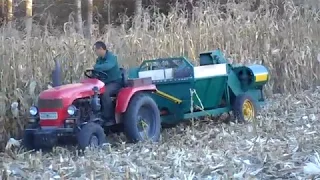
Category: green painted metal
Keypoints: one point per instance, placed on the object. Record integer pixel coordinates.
(147, 64)
(256, 95)
(171, 119)
(212, 57)
(210, 90)
(216, 94)
(133, 72)
(179, 90)
(177, 87)
(249, 77)
(234, 83)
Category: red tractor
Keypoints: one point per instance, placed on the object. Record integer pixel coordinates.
(73, 112)
(159, 91)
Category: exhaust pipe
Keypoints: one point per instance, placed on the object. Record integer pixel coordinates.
(56, 74)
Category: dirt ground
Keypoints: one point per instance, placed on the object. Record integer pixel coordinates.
(284, 145)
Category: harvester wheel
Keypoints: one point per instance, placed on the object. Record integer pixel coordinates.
(91, 135)
(142, 119)
(244, 108)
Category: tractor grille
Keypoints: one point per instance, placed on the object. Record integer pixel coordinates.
(50, 103)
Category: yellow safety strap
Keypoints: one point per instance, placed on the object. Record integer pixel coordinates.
(169, 97)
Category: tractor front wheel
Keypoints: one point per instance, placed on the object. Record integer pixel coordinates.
(91, 135)
(28, 140)
(142, 119)
(244, 108)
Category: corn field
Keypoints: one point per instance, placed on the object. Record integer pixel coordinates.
(289, 45)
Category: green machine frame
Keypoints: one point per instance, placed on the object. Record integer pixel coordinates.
(185, 98)
(180, 99)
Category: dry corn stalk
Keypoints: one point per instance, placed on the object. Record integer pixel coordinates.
(9, 11)
(248, 36)
(28, 17)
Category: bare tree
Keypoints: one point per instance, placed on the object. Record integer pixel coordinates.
(138, 13)
(28, 17)
(79, 17)
(3, 7)
(89, 18)
(107, 4)
(10, 13)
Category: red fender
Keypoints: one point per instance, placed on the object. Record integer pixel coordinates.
(125, 95)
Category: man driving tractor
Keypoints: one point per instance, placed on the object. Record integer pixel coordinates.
(107, 63)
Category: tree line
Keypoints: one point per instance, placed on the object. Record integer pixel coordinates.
(102, 12)
(84, 12)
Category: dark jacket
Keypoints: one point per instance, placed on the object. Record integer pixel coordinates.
(109, 65)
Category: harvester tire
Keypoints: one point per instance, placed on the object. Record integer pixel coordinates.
(91, 134)
(142, 112)
(239, 104)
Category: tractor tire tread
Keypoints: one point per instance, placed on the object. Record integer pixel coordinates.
(237, 107)
(130, 122)
(87, 131)
(27, 139)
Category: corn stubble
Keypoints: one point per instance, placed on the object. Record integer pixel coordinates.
(283, 145)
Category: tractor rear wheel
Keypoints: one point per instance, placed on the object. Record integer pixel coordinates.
(91, 135)
(142, 119)
(245, 109)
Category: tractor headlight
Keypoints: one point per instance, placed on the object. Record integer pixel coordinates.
(71, 110)
(33, 110)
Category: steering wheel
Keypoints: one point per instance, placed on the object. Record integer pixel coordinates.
(95, 74)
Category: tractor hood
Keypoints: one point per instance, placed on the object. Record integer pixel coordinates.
(73, 91)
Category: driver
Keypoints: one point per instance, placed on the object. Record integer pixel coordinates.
(107, 63)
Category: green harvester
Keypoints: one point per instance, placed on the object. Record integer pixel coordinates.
(185, 91)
